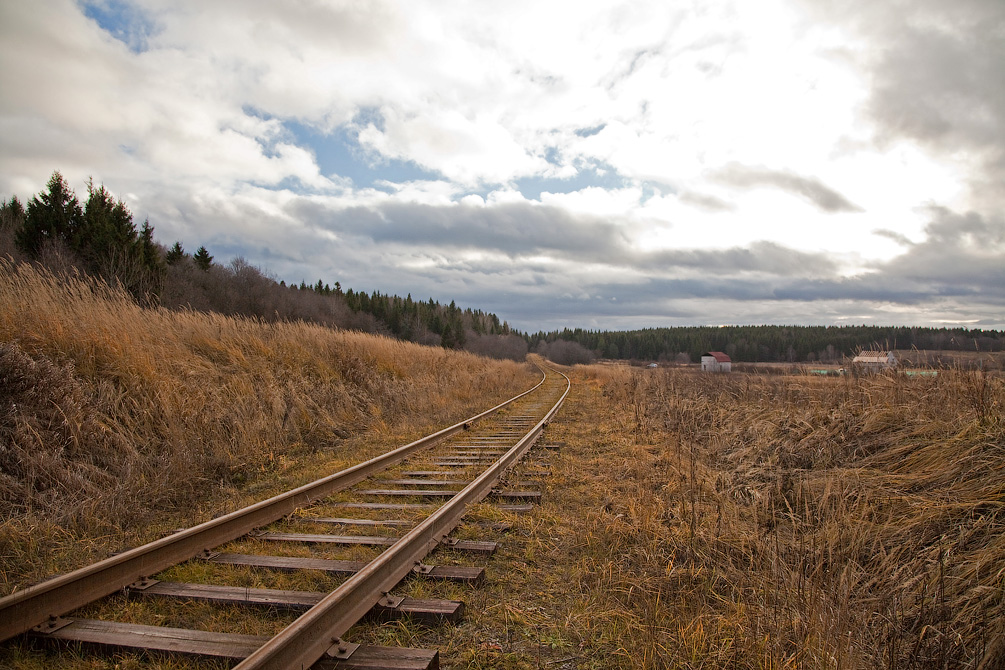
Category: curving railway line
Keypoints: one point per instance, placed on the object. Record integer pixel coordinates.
(386, 515)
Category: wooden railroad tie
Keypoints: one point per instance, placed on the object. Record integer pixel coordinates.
(444, 482)
(221, 645)
(454, 573)
(428, 610)
(445, 493)
(499, 527)
(474, 546)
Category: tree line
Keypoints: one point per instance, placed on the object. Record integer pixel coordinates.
(98, 237)
(768, 344)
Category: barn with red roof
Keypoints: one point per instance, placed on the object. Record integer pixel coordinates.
(715, 361)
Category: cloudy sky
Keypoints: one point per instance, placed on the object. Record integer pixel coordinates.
(593, 164)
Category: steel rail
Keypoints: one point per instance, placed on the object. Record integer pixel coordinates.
(23, 610)
(319, 631)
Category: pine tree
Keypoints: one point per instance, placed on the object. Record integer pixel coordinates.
(148, 269)
(175, 254)
(202, 259)
(52, 215)
(12, 214)
(106, 235)
(149, 253)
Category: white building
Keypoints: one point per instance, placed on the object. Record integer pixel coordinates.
(715, 361)
(875, 360)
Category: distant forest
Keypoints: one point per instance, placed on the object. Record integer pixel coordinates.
(770, 344)
(98, 237)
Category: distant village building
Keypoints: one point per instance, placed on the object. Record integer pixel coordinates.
(715, 361)
(874, 361)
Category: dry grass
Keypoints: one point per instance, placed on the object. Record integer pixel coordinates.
(118, 422)
(799, 522)
(740, 521)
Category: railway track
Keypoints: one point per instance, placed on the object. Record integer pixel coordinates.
(359, 533)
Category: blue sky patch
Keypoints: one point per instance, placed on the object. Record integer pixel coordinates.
(589, 132)
(339, 152)
(123, 21)
(602, 176)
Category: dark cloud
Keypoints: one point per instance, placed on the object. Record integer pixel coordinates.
(761, 257)
(899, 238)
(962, 255)
(957, 269)
(514, 229)
(936, 72)
(705, 201)
(939, 79)
(827, 199)
(523, 230)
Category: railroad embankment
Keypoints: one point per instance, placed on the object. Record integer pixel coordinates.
(118, 422)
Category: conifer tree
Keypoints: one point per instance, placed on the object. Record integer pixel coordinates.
(175, 254)
(149, 253)
(202, 259)
(52, 215)
(11, 214)
(106, 235)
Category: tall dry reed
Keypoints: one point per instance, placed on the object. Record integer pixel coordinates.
(803, 522)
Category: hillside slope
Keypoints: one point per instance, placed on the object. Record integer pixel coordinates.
(118, 422)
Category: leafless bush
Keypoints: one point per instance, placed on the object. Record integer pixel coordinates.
(55, 455)
(243, 289)
(565, 352)
(511, 347)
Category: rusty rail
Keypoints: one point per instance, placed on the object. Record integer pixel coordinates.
(319, 631)
(23, 610)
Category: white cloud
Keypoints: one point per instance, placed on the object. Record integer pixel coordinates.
(777, 132)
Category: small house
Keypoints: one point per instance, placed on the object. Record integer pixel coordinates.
(715, 361)
(875, 361)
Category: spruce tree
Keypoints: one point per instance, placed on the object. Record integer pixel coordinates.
(175, 254)
(148, 251)
(52, 215)
(106, 235)
(202, 259)
(11, 214)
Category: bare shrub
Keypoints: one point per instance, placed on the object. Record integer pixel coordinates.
(565, 352)
(55, 450)
(511, 347)
(241, 289)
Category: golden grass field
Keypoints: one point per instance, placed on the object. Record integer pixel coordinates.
(691, 521)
